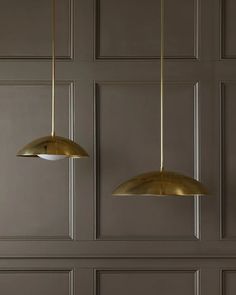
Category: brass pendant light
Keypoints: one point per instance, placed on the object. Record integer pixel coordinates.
(161, 183)
(53, 147)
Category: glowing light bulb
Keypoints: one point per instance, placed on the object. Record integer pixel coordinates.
(51, 157)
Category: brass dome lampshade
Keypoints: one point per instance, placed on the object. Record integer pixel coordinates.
(53, 147)
(162, 182)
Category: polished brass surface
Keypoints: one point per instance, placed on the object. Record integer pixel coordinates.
(53, 145)
(162, 86)
(160, 183)
(53, 64)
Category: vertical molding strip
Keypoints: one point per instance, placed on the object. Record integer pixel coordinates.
(71, 162)
(197, 223)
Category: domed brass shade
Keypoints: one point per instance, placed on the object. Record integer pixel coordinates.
(160, 183)
(52, 148)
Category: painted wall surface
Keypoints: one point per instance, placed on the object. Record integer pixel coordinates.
(61, 231)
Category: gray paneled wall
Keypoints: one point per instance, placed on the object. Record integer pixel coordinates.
(61, 231)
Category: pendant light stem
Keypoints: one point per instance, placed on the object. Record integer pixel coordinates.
(161, 84)
(53, 65)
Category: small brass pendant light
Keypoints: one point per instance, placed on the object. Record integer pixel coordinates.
(161, 183)
(53, 147)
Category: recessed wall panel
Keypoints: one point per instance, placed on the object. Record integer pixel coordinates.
(144, 281)
(131, 29)
(228, 160)
(25, 28)
(228, 282)
(128, 144)
(228, 23)
(35, 282)
(34, 193)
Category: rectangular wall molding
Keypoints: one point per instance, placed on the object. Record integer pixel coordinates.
(147, 277)
(97, 163)
(23, 41)
(226, 161)
(101, 42)
(47, 280)
(70, 167)
(227, 23)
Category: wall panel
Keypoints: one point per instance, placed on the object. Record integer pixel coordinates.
(122, 34)
(35, 282)
(25, 29)
(151, 282)
(127, 125)
(228, 282)
(228, 23)
(35, 195)
(228, 159)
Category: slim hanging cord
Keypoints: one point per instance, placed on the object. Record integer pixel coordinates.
(53, 65)
(161, 83)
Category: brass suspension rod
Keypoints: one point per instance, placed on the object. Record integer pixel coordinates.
(161, 84)
(53, 65)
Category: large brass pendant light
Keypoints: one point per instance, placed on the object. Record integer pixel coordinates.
(161, 183)
(53, 147)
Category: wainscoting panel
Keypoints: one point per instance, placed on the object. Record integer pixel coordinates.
(130, 39)
(37, 282)
(35, 195)
(146, 281)
(228, 160)
(228, 22)
(127, 119)
(25, 29)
